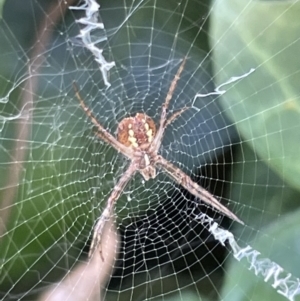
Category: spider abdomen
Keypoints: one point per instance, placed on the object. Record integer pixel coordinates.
(136, 131)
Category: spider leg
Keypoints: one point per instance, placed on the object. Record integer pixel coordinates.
(158, 137)
(175, 115)
(102, 132)
(184, 180)
(107, 212)
(102, 137)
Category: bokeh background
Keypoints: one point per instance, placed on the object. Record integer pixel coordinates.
(242, 145)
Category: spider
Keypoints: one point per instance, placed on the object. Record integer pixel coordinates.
(139, 140)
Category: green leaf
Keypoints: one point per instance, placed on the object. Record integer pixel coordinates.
(265, 106)
(280, 243)
(261, 191)
(1, 7)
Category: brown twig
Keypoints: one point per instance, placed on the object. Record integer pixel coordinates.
(55, 12)
(85, 281)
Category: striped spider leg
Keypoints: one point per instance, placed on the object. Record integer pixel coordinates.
(139, 141)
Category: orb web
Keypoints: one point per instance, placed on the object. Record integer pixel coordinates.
(238, 139)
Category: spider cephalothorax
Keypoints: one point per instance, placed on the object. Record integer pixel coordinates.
(139, 141)
(137, 131)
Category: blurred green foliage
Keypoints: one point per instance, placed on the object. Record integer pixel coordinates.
(1, 7)
(57, 204)
(265, 108)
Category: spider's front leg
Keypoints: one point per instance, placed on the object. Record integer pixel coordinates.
(106, 214)
(175, 115)
(102, 133)
(98, 232)
(185, 181)
(163, 117)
